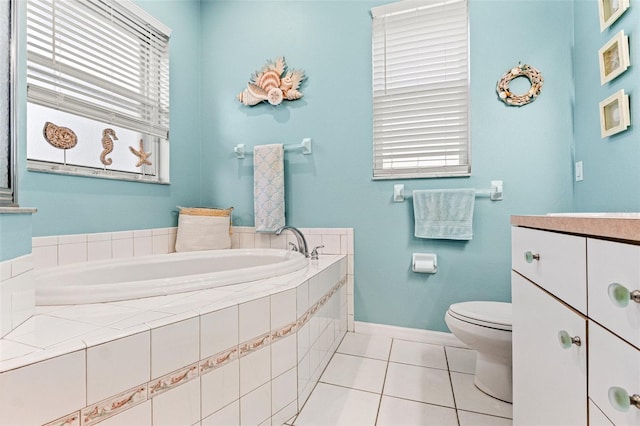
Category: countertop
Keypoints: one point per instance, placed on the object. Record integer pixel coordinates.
(616, 226)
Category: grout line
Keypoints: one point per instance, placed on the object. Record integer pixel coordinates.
(384, 381)
(453, 394)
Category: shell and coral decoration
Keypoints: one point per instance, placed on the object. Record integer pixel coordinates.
(58, 136)
(273, 84)
(522, 70)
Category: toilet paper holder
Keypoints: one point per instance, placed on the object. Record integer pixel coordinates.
(425, 263)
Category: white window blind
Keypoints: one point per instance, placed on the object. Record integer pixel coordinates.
(420, 89)
(104, 60)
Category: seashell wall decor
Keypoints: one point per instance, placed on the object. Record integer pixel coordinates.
(58, 136)
(273, 83)
(522, 70)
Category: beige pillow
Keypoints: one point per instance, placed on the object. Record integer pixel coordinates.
(202, 228)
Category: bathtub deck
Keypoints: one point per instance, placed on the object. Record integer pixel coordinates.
(280, 329)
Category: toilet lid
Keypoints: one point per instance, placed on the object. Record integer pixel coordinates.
(488, 314)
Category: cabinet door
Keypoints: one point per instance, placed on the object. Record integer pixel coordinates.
(549, 380)
(614, 375)
(614, 265)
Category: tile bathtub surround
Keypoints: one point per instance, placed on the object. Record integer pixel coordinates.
(17, 299)
(232, 359)
(68, 249)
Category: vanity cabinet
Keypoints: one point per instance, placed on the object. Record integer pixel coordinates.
(551, 379)
(576, 326)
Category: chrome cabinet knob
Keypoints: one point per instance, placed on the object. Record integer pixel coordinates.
(620, 399)
(530, 256)
(620, 295)
(566, 340)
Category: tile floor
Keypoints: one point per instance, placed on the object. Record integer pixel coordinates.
(377, 380)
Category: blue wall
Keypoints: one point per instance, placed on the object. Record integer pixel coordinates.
(216, 45)
(529, 148)
(611, 165)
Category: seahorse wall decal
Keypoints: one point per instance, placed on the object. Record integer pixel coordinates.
(108, 136)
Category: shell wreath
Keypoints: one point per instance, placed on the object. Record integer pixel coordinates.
(532, 74)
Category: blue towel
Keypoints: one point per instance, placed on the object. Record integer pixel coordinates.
(444, 214)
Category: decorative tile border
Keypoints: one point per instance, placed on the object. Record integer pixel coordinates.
(95, 413)
(114, 405)
(171, 380)
(70, 420)
(218, 360)
(254, 344)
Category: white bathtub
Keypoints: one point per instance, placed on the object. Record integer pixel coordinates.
(133, 278)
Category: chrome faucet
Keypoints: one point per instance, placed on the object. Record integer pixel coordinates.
(302, 242)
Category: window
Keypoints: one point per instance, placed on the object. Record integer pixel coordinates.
(7, 110)
(420, 89)
(97, 90)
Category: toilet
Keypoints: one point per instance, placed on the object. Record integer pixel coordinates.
(486, 327)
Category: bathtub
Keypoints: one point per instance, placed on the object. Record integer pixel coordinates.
(132, 278)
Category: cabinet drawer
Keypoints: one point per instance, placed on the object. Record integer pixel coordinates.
(556, 262)
(614, 266)
(613, 363)
(549, 379)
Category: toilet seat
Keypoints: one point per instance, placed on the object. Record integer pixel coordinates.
(486, 314)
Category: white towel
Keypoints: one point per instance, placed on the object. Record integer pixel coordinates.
(444, 214)
(268, 187)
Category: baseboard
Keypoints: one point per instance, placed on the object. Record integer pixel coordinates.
(405, 333)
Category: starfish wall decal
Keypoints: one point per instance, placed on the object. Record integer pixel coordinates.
(143, 156)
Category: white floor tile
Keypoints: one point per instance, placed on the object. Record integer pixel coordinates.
(423, 384)
(475, 419)
(461, 360)
(416, 353)
(366, 345)
(336, 406)
(469, 397)
(402, 412)
(355, 372)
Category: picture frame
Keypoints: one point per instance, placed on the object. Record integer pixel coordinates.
(610, 11)
(614, 114)
(614, 57)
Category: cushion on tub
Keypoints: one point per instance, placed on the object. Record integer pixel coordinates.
(201, 228)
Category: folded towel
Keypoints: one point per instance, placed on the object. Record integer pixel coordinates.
(444, 214)
(268, 187)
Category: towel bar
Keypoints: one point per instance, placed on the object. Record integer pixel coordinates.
(305, 146)
(495, 193)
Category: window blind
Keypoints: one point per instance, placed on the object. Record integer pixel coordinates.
(420, 89)
(101, 59)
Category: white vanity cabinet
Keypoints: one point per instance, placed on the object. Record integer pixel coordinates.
(549, 379)
(576, 324)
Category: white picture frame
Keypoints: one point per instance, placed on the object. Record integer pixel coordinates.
(614, 57)
(614, 114)
(610, 11)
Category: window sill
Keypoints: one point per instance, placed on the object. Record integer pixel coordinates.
(44, 167)
(17, 210)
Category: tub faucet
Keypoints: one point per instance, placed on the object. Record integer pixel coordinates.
(302, 242)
